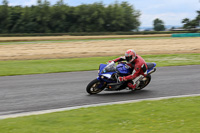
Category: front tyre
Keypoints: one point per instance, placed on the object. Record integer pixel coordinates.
(95, 87)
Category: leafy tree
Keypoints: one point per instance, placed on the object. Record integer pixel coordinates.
(131, 17)
(4, 17)
(198, 18)
(60, 20)
(189, 24)
(121, 17)
(43, 16)
(47, 18)
(186, 20)
(158, 25)
(14, 17)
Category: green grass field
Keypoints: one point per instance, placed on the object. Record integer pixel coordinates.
(176, 115)
(23, 67)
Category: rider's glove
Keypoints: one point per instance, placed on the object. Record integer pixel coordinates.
(122, 79)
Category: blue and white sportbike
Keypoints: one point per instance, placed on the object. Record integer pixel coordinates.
(108, 74)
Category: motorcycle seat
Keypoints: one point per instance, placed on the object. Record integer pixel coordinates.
(150, 65)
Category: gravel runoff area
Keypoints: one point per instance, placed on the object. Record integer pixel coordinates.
(54, 50)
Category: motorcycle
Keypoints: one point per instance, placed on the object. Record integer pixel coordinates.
(108, 74)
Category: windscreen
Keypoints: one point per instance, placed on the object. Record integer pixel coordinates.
(109, 68)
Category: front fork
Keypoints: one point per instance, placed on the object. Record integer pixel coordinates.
(102, 83)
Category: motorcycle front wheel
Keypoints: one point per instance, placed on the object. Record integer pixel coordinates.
(94, 87)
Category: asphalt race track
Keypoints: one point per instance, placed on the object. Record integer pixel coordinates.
(29, 93)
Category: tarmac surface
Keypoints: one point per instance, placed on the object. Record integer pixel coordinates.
(28, 93)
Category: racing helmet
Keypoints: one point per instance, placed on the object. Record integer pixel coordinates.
(130, 55)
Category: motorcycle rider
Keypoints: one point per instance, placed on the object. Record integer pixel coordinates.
(137, 64)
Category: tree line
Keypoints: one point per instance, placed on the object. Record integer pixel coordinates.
(187, 23)
(61, 18)
(190, 24)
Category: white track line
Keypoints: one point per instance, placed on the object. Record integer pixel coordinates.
(10, 112)
(92, 105)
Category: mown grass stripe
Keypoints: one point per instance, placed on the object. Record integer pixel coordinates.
(24, 67)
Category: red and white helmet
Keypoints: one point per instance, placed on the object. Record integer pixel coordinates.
(130, 55)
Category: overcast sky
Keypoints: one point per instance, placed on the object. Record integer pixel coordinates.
(170, 11)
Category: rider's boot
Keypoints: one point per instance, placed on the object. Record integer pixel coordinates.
(131, 86)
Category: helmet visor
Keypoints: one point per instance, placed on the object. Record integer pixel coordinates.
(128, 58)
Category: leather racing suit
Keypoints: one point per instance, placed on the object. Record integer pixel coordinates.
(138, 66)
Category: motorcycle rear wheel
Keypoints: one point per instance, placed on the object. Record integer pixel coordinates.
(145, 82)
(92, 87)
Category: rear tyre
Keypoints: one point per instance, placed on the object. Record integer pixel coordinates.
(144, 82)
(93, 87)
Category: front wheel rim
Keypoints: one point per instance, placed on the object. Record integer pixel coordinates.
(94, 88)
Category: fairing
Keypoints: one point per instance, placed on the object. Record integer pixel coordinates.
(150, 66)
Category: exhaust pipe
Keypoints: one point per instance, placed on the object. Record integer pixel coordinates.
(152, 71)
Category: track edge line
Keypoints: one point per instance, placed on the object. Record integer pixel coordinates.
(91, 105)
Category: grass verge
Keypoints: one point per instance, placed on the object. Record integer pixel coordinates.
(23, 67)
(177, 115)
